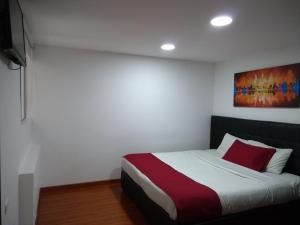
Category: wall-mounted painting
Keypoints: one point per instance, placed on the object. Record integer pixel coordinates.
(270, 87)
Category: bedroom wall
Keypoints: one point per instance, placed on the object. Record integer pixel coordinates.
(223, 85)
(93, 107)
(15, 138)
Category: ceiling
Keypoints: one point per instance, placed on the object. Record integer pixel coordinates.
(141, 26)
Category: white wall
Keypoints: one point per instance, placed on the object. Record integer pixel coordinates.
(29, 188)
(15, 140)
(223, 85)
(93, 107)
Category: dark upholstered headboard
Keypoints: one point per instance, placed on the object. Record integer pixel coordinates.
(281, 135)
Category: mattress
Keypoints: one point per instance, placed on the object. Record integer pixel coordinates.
(238, 187)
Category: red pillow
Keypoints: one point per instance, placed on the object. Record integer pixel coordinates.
(253, 157)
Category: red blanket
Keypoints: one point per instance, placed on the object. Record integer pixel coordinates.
(193, 200)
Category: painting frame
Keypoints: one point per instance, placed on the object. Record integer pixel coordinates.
(271, 87)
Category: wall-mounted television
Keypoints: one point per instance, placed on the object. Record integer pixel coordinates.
(12, 38)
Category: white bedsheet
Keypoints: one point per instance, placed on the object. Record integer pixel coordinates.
(238, 187)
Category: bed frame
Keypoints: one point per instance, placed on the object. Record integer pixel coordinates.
(272, 133)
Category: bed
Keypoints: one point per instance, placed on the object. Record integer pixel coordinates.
(266, 198)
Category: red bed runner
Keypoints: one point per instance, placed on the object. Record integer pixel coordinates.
(193, 200)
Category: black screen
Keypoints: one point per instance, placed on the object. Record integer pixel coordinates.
(16, 22)
(12, 29)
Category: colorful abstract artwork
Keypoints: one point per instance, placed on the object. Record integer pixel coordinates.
(270, 87)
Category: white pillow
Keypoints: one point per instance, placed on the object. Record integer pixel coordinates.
(226, 143)
(279, 159)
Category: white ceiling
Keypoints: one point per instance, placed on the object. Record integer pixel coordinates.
(141, 26)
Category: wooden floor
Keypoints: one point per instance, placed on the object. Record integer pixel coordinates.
(92, 204)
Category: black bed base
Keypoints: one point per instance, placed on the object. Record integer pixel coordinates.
(283, 214)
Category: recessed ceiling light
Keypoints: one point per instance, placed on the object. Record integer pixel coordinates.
(221, 21)
(167, 47)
